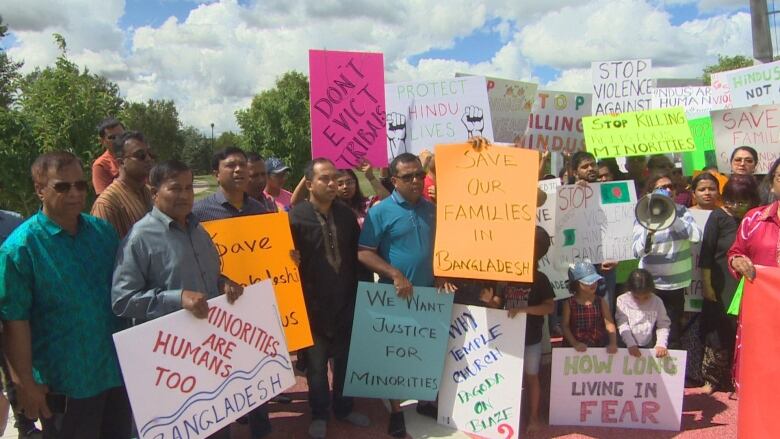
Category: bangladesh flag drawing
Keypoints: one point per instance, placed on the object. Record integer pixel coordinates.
(616, 192)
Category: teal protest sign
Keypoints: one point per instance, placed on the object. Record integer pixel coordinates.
(398, 345)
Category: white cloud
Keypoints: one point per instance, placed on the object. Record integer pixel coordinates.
(214, 60)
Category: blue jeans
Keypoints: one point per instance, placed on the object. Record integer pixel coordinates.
(317, 376)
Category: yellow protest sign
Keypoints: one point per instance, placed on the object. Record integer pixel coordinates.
(648, 132)
(257, 247)
(485, 212)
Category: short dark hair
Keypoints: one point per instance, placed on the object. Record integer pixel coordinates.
(704, 176)
(578, 157)
(118, 145)
(109, 122)
(640, 280)
(770, 175)
(656, 160)
(223, 153)
(542, 243)
(741, 187)
(611, 164)
(252, 156)
(749, 149)
(405, 157)
(165, 171)
(308, 171)
(650, 184)
(51, 160)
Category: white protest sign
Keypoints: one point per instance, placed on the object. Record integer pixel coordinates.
(421, 114)
(598, 389)
(189, 377)
(555, 123)
(756, 85)
(757, 127)
(697, 101)
(720, 91)
(621, 86)
(480, 390)
(510, 105)
(545, 218)
(694, 294)
(594, 222)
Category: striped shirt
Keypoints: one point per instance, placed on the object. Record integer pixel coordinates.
(122, 206)
(669, 259)
(216, 207)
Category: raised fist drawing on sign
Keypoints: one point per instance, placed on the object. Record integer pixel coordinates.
(396, 133)
(473, 120)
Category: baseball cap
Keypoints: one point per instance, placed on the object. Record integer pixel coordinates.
(583, 272)
(275, 166)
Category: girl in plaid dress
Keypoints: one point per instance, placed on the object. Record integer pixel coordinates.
(587, 320)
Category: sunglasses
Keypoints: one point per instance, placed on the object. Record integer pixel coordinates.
(142, 154)
(62, 187)
(407, 178)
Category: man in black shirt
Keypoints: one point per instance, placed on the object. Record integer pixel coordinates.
(326, 234)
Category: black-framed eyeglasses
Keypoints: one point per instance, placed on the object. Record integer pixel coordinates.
(407, 178)
(62, 187)
(142, 154)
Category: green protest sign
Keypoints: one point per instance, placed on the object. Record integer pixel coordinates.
(704, 155)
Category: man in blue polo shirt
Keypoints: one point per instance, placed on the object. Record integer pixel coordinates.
(397, 242)
(55, 290)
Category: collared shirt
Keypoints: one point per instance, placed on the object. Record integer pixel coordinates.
(329, 291)
(61, 284)
(637, 321)
(122, 206)
(158, 259)
(267, 202)
(216, 206)
(282, 200)
(105, 170)
(8, 222)
(402, 234)
(758, 237)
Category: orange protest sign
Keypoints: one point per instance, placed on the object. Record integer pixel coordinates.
(257, 247)
(485, 212)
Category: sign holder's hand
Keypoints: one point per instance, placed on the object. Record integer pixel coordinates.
(661, 351)
(195, 303)
(634, 351)
(403, 287)
(744, 266)
(32, 400)
(232, 290)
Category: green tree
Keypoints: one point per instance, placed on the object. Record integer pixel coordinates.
(9, 72)
(226, 139)
(17, 152)
(277, 123)
(196, 150)
(159, 121)
(725, 63)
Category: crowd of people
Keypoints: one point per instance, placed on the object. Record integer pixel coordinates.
(69, 280)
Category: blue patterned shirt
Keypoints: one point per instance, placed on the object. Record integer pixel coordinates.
(61, 284)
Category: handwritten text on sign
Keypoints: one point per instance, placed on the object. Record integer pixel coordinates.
(485, 212)
(756, 85)
(697, 101)
(480, 392)
(347, 93)
(617, 390)
(510, 105)
(257, 247)
(422, 114)
(555, 123)
(621, 86)
(594, 222)
(398, 345)
(642, 133)
(188, 377)
(758, 127)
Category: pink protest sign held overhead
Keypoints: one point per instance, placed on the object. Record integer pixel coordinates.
(347, 93)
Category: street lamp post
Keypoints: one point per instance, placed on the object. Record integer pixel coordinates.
(212, 136)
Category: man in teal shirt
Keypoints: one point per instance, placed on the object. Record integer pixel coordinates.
(55, 291)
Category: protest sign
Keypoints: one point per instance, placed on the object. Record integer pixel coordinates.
(598, 389)
(510, 105)
(398, 345)
(545, 218)
(720, 91)
(347, 95)
(257, 247)
(421, 114)
(640, 133)
(486, 200)
(757, 127)
(697, 101)
(694, 294)
(483, 377)
(755, 85)
(555, 123)
(190, 377)
(594, 222)
(621, 86)
(704, 155)
(759, 356)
